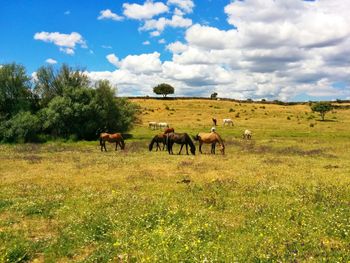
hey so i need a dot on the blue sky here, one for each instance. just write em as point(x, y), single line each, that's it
point(283, 49)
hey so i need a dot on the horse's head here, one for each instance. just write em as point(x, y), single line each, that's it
point(122, 144)
point(222, 149)
point(193, 150)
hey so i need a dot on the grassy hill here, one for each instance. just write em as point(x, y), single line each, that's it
point(283, 196)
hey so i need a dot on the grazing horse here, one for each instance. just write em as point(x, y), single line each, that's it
point(180, 138)
point(211, 138)
point(163, 125)
point(247, 134)
point(228, 122)
point(159, 138)
point(114, 137)
point(152, 125)
point(169, 130)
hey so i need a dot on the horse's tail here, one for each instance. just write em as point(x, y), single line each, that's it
point(150, 146)
point(190, 143)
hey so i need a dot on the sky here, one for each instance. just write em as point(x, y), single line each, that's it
point(289, 50)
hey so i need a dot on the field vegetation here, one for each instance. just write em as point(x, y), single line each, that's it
point(283, 196)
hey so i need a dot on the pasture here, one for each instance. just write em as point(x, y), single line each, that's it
point(283, 196)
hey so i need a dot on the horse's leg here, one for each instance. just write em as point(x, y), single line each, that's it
point(181, 148)
point(116, 146)
point(186, 148)
point(213, 148)
point(104, 146)
point(200, 146)
point(157, 147)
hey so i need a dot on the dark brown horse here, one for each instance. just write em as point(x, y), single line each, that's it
point(114, 137)
point(180, 138)
point(159, 138)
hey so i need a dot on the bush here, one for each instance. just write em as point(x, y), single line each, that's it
point(23, 127)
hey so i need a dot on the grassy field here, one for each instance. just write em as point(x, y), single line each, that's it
point(284, 196)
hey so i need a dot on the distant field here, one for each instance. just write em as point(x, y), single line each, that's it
point(284, 196)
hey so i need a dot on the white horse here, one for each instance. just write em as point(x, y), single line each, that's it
point(152, 125)
point(163, 125)
point(247, 134)
point(228, 122)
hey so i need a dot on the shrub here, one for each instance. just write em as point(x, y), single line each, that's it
point(23, 127)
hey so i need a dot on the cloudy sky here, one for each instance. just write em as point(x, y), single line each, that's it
point(291, 50)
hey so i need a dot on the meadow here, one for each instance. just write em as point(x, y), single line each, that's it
point(283, 196)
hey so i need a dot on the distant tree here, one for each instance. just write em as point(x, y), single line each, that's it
point(213, 96)
point(15, 92)
point(163, 89)
point(322, 108)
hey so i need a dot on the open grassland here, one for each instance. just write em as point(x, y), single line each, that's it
point(282, 197)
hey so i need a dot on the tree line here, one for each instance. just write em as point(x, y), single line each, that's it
point(60, 103)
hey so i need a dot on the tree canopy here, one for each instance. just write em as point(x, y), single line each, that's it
point(62, 104)
point(163, 89)
point(322, 108)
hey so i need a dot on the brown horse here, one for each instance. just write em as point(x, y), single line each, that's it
point(114, 137)
point(180, 138)
point(169, 130)
point(159, 138)
point(212, 138)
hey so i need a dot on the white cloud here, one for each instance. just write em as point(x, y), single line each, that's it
point(65, 42)
point(154, 34)
point(146, 11)
point(113, 59)
point(276, 49)
point(185, 5)
point(160, 24)
point(108, 14)
point(145, 43)
point(51, 61)
point(144, 63)
point(176, 47)
point(161, 41)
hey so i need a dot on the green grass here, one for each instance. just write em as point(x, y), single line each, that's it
point(282, 197)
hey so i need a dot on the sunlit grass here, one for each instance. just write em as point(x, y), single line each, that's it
point(284, 196)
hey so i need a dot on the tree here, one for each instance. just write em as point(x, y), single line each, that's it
point(49, 84)
point(15, 92)
point(163, 89)
point(322, 108)
point(213, 96)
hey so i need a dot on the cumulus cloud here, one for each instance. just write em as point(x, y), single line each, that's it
point(185, 5)
point(275, 49)
point(113, 59)
point(108, 14)
point(146, 11)
point(161, 23)
point(66, 42)
point(51, 61)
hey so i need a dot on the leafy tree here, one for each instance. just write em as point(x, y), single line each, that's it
point(163, 89)
point(322, 108)
point(15, 93)
point(213, 95)
point(49, 83)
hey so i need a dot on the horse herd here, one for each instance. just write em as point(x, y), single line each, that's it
point(169, 137)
